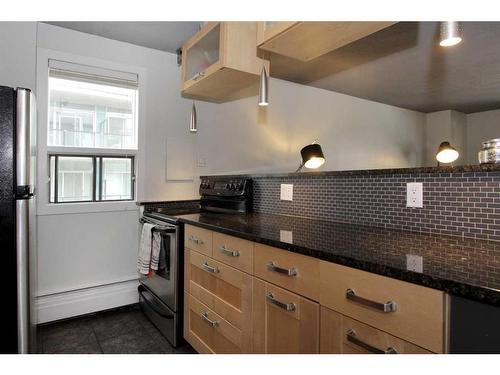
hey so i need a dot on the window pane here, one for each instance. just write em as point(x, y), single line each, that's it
point(84, 114)
point(116, 178)
point(74, 179)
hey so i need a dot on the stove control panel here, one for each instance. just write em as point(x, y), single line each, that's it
point(225, 187)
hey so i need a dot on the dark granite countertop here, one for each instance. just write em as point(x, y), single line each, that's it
point(169, 203)
point(464, 267)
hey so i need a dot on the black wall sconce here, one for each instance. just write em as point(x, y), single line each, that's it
point(312, 157)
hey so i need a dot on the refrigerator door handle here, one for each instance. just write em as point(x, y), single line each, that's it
point(23, 139)
point(23, 194)
point(23, 291)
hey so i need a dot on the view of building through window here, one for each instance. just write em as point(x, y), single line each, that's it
point(90, 178)
point(87, 115)
point(84, 114)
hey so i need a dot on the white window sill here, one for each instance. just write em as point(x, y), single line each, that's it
point(80, 208)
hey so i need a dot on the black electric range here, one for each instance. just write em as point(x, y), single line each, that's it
point(160, 292)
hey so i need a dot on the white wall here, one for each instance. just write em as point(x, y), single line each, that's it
point(481, 126)
point(354, 133)
point(18, 46)
point(448, 126)
point(78, 251)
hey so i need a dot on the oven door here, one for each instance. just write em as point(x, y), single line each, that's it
point(164, 282)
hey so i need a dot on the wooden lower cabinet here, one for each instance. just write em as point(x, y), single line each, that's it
point(284, 322)
point(238, 299)
point(417, 313)
point(343, 335)
point(208, 332)
point(223, 291)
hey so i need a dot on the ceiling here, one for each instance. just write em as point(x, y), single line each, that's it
point(165, 36)
point(404, 66)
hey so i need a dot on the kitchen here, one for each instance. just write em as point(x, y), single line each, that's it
point(308, 203)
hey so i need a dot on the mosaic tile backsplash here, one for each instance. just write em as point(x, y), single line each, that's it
point(465, 204)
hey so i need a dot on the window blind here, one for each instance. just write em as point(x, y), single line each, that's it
point(92, 74)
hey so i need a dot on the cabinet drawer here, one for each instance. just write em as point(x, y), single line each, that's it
point(411, 312)
point(343, 335)
point(284, 322)
point(198, 239)
point(207, 331)
point(233, 251)
point(369, 340)
point(295, 272)
point(222, 288)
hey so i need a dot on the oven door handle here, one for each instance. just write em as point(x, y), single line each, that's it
point(153, 307)
point(157, 226)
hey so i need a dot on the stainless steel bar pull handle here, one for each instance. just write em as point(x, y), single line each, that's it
point(353, 338)
point(213, 323)
point(285, 306)
point(195, 240)
point(230, 253)
point(285, 271)
point(384, 307)
point(210, 268)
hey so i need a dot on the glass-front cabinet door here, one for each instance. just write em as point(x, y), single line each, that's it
point(201, 54)
point(269, 29)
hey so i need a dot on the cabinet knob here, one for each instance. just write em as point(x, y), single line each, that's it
point(199, 75)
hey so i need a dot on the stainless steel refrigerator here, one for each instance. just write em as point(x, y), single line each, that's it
point(17, 219)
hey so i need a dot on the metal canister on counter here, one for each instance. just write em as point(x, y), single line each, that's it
point(490, 153)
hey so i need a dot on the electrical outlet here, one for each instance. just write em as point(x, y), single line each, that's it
point(286, 236)
point(414, 194)
point(286, 192)
point(414, 263)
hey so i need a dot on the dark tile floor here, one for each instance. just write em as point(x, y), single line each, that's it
point(121, 331)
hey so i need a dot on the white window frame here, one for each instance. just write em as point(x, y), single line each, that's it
point(44, 207)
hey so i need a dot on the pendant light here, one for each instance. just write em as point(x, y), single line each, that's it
point(446, 153)
point(193, 126)
point(263, 89)
point(450, 33)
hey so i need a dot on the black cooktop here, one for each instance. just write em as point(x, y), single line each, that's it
point(171, 214)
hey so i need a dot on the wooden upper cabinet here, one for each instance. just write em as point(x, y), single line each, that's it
point(306, 41)
point(283, 322)
point(220, 63)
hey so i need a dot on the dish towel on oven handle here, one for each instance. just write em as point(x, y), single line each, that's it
point(155, 250)
point(149, 250)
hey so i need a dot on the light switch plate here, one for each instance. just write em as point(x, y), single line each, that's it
point(286, 192)
point(414, 263)
point(202, 162)
point(414, 194)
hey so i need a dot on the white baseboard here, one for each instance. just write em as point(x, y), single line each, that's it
point(85, 301)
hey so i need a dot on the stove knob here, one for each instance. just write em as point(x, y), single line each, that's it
point(228, 186)
point(239, 186)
